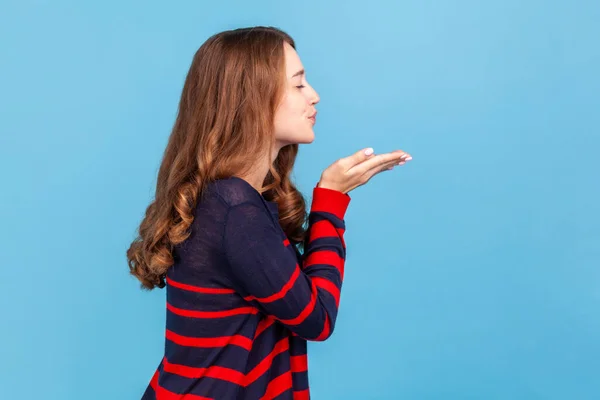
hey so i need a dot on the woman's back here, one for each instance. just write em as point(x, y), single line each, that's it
point(220, 341)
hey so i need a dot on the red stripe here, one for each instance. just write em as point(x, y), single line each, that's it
point(211, 314)
point(228, 374)
point(322, 229)
point(278, 385)
point(154, 381)
point(263, 325)
point(199, 289)
point(164, 394)
point(327, 257)
point(325, 332)
point(222, 373)
point(302, 394)
point(307, 310)
point(279, 295)
point(299, 363)
point(331, 201)
point(329, 286)
point(222, 341)
point(265, 364)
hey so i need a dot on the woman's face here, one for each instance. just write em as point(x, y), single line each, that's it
point(296, 115)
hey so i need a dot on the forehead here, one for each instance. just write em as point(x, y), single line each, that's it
point(292, 61)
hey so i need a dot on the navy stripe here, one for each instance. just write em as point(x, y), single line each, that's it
point(228, 326)
point(327, 243)
point(233, 357)
point(204, 302)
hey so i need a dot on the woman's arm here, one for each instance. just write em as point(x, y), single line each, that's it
point(302, 296)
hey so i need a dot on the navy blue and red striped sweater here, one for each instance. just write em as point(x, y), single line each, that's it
point(242, 302)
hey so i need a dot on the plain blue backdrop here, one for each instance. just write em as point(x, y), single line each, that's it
point(473, 271)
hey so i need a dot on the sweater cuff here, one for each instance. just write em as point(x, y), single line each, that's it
point(331, 201)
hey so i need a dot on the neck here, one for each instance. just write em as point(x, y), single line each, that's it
point(257, 175)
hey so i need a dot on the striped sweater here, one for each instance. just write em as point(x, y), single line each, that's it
point(242, 302)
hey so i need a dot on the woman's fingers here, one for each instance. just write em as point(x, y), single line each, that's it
point(353, 171)
point(357, 158)
point(387, 166)
point(380, 161)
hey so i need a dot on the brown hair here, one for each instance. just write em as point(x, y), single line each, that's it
point(225, 117)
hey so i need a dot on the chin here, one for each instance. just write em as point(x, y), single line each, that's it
point(303, 138)
point(308, 138)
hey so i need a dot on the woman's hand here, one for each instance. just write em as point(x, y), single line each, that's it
point(348, 173)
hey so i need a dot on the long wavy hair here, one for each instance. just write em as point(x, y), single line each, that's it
point(225, 122)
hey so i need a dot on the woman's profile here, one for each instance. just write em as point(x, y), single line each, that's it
point(250, 275)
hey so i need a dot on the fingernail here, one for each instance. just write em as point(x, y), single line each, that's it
point(408, 158)
point(369, 151)
point(402, 163)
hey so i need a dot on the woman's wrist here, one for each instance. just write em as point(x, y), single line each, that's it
point(326, 185)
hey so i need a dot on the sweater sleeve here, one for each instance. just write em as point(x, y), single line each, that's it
point(265, 270)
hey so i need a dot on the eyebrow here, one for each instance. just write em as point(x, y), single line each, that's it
point(301, 72)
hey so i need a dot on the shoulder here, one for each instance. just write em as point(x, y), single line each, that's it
point(234, 191)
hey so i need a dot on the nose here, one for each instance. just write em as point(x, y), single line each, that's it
point(314, 97)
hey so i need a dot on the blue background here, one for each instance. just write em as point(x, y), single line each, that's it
point(472, 272)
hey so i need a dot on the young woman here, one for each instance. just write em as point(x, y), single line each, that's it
point(248, 284)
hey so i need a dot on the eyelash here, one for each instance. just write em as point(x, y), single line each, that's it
point(300, 87)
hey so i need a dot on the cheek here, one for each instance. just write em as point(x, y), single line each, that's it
point(291, 112)
point(295, 104)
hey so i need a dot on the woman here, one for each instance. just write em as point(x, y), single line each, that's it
point(224, 229)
